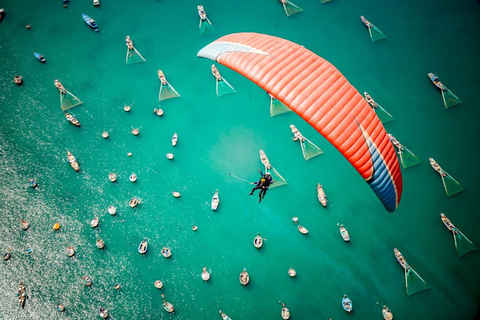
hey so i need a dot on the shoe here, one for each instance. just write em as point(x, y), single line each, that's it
point(259, 200)
point(250, 194)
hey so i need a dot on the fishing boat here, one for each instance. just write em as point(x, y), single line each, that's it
point(295, 219)
point(215, 200)
point(60, 307)
point(32, 183)
point(96, 3)
point(205, 274)
point(292, 273)
point(162, 78)
point(258, 241)
point(396, 143)
point(224, 316)
point(386, 313)
point(367, 23)
point(347, 304)
point(194, 227)
point(72, 119)
point(344, 233)
point(56, 226)
point(174, 139)
point(73, 161)
point(167, 305)
point(166, 252)
point(103, 313)
point(18, 80)
point(216, 73)
point(95, 222)
point(176, 194)
point(447, 222)
point(401, 260)
point(244, 277)
point(6, 256)
point(202, 14)
point(285, 312)
point(158, 112)
point(370, 100)
point(434, 78)
point(170, 156)
point(302, 229)
point(70, 251)
point(297, 135)
point(2, 14)
point(22, 295)
point(39, 57)
point(90, 22)
point(60, 86)
point(142, 248)
point(86, 280)
point(322, 197)
point(437, 167)
point(105, 134)
point(112, 177)
point(135, 131)
point(25, 224)
point(133, 177)
point(133, 203)
point(112, 210)
point(100, 244)
point(158, 284)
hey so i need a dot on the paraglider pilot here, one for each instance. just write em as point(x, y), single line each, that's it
point(262, 184)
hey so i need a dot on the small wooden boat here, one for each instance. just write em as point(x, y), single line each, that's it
point(401, 260)
point(142, 248)
point(6, 256)
point(322, 197)
point(166, 252)
point(437, 167)
point(133, 177)
point(205, 274)
point(176, 194)
point(244, 277)
point(292, 273)
point(112, 177)
point(285, 311)
point(194, 227)
point(224, 316)
point(100, 244)
point(96, 3)
point(117, 286)
point(39, 57)
point(344, 233)
point(370, 100)
point(258, 241)
point(167, 305)
point(73, 161)
point(170, 156)
point(347, 304)
point(203, 15)
point(60, 308)
point(216, 73)
point(32, 183)
point(434, 78)
point(2, 14)
point(60, 86)
point(367, 23)
point(174, 139)
point(56, 226)
point(90, 22)
point(105, 135)
point(158, 284)
point(25, 224)
point(112, 210)
point(133, 203)
point(387, 314)
point(95, 222)
point(18, 80)
point(215, 200)
point(295, 219)
point(158, 112)
point(447, 222)
point(72, 119)
point(302, 229)
point(135, 131)
point(103, 313)
point(22, 294)
point(86, 280)
point(70, 251)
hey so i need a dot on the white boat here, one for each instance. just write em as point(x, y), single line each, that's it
point(322, 197)
point(112, 210)
point(142, 248)
point(344, 233)
point(133, 177)
point(437, 167)
point(158, 284)
point(112, 176)
point(174, 139)
point(387, 314)
point(205, 274)
point(95, 222)
point(244, 277)
point(285, 311)
point(25, 224)
point(133, 203)
point(176, 194)
point(96, 3)
point(215, 200)
point(105, 134)
point(295, 219)
point(70, 251)
point(73, 161)
point(170, 156)
point(292, 273)
point(167, 305)
point(135, 131)
point(100, 244)
point(103, 313)
point(447, 222)
point(166, 252)
point(224, 316)
point(258, 241)
point(401, 260)
point(302, 229)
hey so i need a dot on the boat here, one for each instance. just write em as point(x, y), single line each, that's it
point(205, 274)
point(447, 222)
point(112, 210)
point(396, 143)
point(72, 119)
point(25, 224)
point(367, 23)
point(174, 139)
point(296, 133)
point(295, 219)
point(167, 305)
point(133, 177)
point(162, 78)
point(18, 80)
point(347, 304)
point(158, 284)
point(103, 313)
point(32, 183)
point(401, 260)
point(96, 3)
point(112, 176)
point(135, 131)
point(166, 252)
point(387, 314)
point(39, 57)
point(322, 197)
point(434, 78)
point(158, 112)
point(142, 248)
point(258, 241)
point(215, 200)
point(22, 295)
point(95, 222)
point(203, 15)
point(285, 311)
point(224, 316)
point(73, 161)
point(216, 73)
point(176, 194)
point(56, 226)
point(70, 251)
point(90, 22)
point(244, 277)
point(2, 14)
point(60, 87)
point(87, 281)
point(437, 167)
point(133, 203)
point(302, 229)
point(292, 273)
point(170, 156)
point(370, 100)
point(105, 134)
point(100, 244)
point(6, 256)
point(60, 307)
point(344, 233)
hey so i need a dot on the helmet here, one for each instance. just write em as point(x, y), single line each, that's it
point(267, 173)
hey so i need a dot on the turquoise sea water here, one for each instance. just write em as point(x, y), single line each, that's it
point(223, 135)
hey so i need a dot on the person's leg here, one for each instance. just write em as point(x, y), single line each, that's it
point(255, 188)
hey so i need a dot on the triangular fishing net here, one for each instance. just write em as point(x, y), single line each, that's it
point(376, 34)
point(462, 243)
point(167, 92)
point(451, 185)
point(408, 158)
point(449, 99)
point(324, 1)
point(309, 149)
point(223, 87)
point(277, 107)
point(291, 9)
point(382, 114)
point(133, 56)
point(414, 283)
point(68, 100)
point(279, 180)
point(206, 28)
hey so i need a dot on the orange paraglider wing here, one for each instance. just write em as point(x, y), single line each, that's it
point(314, 89)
